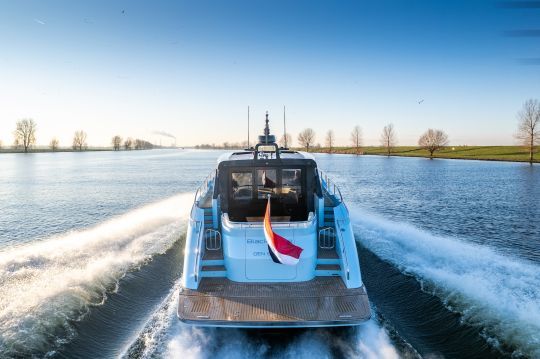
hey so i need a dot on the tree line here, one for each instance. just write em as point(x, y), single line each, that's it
point(224, 145)
point(432, 140)
point(25, 138)
point(130, 144)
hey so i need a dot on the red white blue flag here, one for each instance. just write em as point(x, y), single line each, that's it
point(281, 250)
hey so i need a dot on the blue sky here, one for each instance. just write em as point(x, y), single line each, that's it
point(191, 68)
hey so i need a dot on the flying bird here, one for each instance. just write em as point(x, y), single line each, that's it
point(419, 102)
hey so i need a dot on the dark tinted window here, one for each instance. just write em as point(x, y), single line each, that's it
point(241, 183)
point(266, 183)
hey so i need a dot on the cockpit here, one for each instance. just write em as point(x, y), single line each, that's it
point(250, 188)
point(247, 179)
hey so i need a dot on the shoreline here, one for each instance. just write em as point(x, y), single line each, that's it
point(90, 149)
point(478, 153)
point(475, 153)
point(44, 150)
point(535, 161)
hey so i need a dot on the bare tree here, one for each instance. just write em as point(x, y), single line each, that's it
point(1, 144)
point(128, 143)
point(529, 126)
point(285, 140)
point(356, 138)
point(330, 139)
point(25, 133)
point(433, 140)
point(54, 144)
point(306, 138)
point(145, 145)
point(388, 138)
point(116, 142)
point(79, 140)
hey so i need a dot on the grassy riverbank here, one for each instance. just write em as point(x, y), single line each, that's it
point(41, 150)
point(487, 153)
point(89, 149)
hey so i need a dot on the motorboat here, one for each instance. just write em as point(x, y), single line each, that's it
point(269, 244)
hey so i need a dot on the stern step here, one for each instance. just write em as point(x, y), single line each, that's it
point(212, 255)
point(209, 218)
point(327, 270)
point(213, 268)
point(327, 256)
point(329, 218)
point(213, 271)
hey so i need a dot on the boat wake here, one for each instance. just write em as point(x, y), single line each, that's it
point(493, 291)
point(47, 285)
point(165, 336)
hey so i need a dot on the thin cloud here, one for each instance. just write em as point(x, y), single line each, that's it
point(41, 22)
point(162, 133)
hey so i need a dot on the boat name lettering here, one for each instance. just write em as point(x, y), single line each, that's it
point(260, 254)
point(256, 241)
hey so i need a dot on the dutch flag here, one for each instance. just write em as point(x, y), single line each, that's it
point(281, 250)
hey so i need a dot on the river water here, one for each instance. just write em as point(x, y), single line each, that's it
point(91, 251)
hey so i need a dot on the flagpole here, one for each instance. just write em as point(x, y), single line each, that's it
point(248, 128)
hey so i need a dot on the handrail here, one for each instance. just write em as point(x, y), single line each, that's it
point(202, 190)
point(212, 239)
point(342, 244)
point(333, 190)
point(198, 250)
point(196, 193)
point(327, 238)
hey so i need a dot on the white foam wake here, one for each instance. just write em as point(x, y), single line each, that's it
point(47, 284)
point(500, 293)
point(165, 336)
point(370, 341)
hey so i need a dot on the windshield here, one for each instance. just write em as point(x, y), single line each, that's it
point(250, 189)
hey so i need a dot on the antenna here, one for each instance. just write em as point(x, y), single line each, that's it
point(248, 128)
point(266, 129)
point(284, 129)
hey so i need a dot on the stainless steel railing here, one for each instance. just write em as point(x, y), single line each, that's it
point(198, 250)
point(327, 238)
point(203, 188)
point(199, 225)
point(342, 245)
point(333, 190)
point(212, 239)
point(330, 186)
